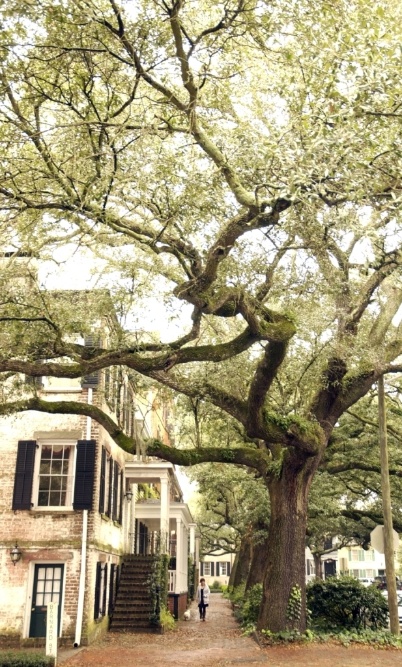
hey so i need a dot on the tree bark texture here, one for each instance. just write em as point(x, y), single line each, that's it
point(318, 565)
point(258, 563)
point(233, 571)
point(244, 560)
point(285, 561)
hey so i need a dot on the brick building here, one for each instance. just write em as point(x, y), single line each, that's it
point(73, 508)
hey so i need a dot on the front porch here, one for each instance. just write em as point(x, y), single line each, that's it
point(162, 525)
point(147, 539)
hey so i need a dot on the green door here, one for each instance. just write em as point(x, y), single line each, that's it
point(47, 587)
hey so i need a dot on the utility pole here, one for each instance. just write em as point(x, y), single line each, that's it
point(386, 505)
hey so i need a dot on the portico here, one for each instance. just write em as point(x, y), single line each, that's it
point(164, 524)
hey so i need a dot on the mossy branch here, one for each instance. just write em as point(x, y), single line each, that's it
point(252, 458)
point(245, 456)
point(359, 465)
point(72, 408)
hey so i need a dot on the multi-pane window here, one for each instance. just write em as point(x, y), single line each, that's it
point(48, 585)
point(223, 569)
point(207, 569)
point(55, 475)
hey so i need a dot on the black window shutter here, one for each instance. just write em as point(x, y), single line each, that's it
point(202, 569)
point(110, 489)
point(104, 590)
point(92, 380)
point(102, 482)
point(212, 569)
point(115, 489)
point(97, 589)
point(118, 574)
point(217, 569)
point(84, 475)
point(121, 497)
point(228, 569)
point(24, 471)
point(112, 588)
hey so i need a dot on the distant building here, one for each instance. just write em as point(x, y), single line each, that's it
point(217, 566)
point(353, 560)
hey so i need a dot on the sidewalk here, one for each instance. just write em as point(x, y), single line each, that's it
point(218, 643)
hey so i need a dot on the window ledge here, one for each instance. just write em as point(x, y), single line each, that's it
point(53, 510)
point(62, 390)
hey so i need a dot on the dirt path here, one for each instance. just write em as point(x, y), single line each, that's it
point(218, 643)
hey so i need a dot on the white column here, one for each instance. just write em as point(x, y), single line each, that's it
point(164, 519)
point(192, 540)
point(185, 558)
point(179, 555)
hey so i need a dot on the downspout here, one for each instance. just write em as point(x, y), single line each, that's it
point(81, 587)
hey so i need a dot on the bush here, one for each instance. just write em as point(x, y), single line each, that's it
point(216, 586)
point(346, 603)
point(236, 595)
point(251, 606)
point(24, 659)
point(166, 620)
point(246, 604)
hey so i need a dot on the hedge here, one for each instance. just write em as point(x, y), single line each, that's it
point(25, 659)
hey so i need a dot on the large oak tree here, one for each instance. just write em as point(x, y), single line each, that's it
point(241, 158)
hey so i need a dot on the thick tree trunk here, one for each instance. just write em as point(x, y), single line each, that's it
point(233, 571)
point(243, 562)
point(318, 565)
point(258, 563)
point(285, 578)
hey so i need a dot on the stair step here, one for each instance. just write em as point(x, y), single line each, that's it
point(133, 607)
point(130, 622)
point(122, 609)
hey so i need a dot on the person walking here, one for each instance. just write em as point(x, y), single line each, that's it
point(203, 598)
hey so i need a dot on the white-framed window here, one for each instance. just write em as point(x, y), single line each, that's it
point(207, 569)
point(54, 478)
point(223, 569)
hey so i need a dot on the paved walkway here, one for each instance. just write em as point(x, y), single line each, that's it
point(217, 643)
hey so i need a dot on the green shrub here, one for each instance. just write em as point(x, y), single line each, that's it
point(216, 586)
point(376, 638)
point(166, 620)
point(24, 659)
point(236, 595)
point(246, 604)
point(346, 603)
point(251, 607)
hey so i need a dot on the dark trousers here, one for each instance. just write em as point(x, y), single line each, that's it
point(202, 607)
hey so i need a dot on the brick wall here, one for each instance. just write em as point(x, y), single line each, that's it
point(51, 536)
point(177, 604)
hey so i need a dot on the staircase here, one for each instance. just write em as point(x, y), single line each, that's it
point(132, 608)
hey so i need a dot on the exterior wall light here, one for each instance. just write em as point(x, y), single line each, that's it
point(15, 554)
point(128, 496)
